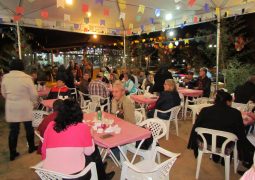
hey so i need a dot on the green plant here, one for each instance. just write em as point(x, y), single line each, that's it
point(236, 74)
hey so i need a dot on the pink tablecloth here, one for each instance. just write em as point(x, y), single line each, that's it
point(248, 118)
point(48, 103)
point(129, 132)
point(44, 92)
point(143, 100)
point(190, 92)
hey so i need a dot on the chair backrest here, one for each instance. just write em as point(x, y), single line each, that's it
point(138, 117)
point(141, 110)
point(38, 117)
point(174, 112)
point(73, 92)
point(201, 100)
point(95, 98)
point(82, 100)
point(229, 137)
point(51, 175)
point(240, 106)
point(157, 128)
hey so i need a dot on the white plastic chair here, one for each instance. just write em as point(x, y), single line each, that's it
point(98, 99)
point(74, 92)
point(212, 149)
point(149, 169)
point(240, 106)
point(39, 136)
point(38, 117)
point(158, 130)
point(194, 101)
point(173, 117)
point(142, 110)
point(182, 104)
point(138, 117)
point(45, 174)
point(83, 103)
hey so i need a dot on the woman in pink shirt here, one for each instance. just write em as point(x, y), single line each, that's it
point(66, 142)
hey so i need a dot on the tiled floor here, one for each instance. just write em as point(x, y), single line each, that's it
point(183, 169)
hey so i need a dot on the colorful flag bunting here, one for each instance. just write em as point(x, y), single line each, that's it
point(228, 13)
point(141, 8)
point(122, 4)
point(191, 2)
point(186, 41)
point(117, 24)
point(152, 20)
point(102, 22)
point(106, 12)
point(157, 12)
point(138, 18)
point(99, 2)
point(122, 15)
point(131, 26)
point(38, 22)
point(206, 7)
point(76, 26)
point(86, 29)
point(44, 14)
point(61, 3)
point(195, 19)
point(85, 8)
point(16, 18)
point(129, 32)
point(67, 17)
point(19, 10)
point(86, 20)
point(117, 31)
point(217, 11)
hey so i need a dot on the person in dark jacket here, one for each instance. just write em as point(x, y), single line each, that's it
point(189, 81)
point(60, 89)
point(204, 83)
point(221, 116)
point(161, 75)
point(246, 92)
point(168, 98)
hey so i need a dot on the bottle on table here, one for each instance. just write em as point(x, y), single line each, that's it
point(99, 115)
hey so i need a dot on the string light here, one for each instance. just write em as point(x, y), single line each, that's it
point(168, 17)
point(94, 36)
point(69, 2)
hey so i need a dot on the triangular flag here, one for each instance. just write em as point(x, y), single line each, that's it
point(217, 11)
point(117, 24)
point(157, 12)
point(138, 18)
point(86, 20)
point(102, 22)
point(228, 13)
point(106, 12)
point(186, 41)
point(122, 4)
point(184, 18)
point(85, 8)
point(67, 17)
point(19, 10)
point(61, 3)
point(129, 32)
point(44, 14)
point(99, 2)
point(141, 8)
point(122, 15)
point(86, 29)
point(191, 2)
point(38, 22)
point(195, 19)
point(76, 26)
point(152, 20)
point(16, 18)
point(131, 26)
point(206, 7)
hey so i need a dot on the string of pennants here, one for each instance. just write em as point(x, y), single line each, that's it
point(86, 26)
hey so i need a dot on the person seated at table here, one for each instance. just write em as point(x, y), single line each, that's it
point(246, 92)
point(67, 140)
point(98, 87)
point(204, 83)
point(51, 117)
point(60, 90)
point(221, 116)
point(84, 84)
point(149, 81)
point(34, 76)
point(189, 81)
point(112, 78)
point(129, 84)
point(121, 104)
point(168, 99)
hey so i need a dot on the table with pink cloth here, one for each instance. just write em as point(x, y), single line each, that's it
point(190, 92)
point(144, 100)
point(48, 103)
point(129, 133)
point(43, 92)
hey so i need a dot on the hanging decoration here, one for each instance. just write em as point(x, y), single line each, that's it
point(67, 17)
point(61, 3)
point(217, 11)
point(186, 41)
point(138, 18)
point(19, 10)
point(16, 18)
point(195, 19)
point(99, 2)
point(106, 12)
point(129, 32)
point(131, 26)
point(141, 9)
point(228, 13)
point(86, 29)
point(206, 8)
point(85, 8)
point(122, 15)
point(176, 43)
point(117, 24)
point(38, 22)
point(157, 12)
point(191, 2)
point(102, 22)
point(76, 26)
point(152, 20)
point(122, 4)
point(44, 14)
point(86, 20)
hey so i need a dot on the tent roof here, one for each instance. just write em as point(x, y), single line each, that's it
point(32, 14)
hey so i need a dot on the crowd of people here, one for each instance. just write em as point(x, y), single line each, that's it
point(68, 139)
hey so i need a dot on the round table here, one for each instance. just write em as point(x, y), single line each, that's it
point(48, 103)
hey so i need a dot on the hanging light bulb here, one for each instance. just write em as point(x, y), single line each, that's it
point(170, 46)
point(176, 43)
point(69, 2)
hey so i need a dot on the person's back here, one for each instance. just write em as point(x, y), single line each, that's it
point(245, 92)
point(160, 78)
point(167, 100)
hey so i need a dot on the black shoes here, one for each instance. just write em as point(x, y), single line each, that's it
point(110, 175)
point(32, 149)
point(13, 156)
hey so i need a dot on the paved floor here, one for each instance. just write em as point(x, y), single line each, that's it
point(183, 169)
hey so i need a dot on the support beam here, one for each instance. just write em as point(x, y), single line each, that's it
point(218, 48)
point(19, 40)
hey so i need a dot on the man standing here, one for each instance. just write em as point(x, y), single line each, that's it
point(98, 87)
point(121, 105)
point(19, 91)
point(84, 85)
point(204, 83)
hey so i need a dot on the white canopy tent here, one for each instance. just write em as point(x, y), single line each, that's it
point(120, 17)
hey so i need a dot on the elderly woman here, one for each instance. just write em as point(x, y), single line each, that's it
point(221, 116)
point(66, 142)
point(149, 81)
point(20, 94)
point(168, 98)
point(129, 84)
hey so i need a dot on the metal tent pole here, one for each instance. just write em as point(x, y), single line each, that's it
point(218, 48)
point(19, 41)
point(124, 44)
